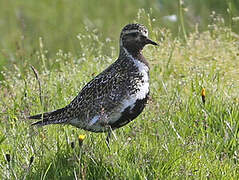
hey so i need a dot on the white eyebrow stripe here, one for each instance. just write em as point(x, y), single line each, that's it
point(135, 31)
point(130, 31)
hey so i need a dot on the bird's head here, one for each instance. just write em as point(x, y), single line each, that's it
point(134, 37)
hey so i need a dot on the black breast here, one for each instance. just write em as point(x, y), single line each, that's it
point(129, 113)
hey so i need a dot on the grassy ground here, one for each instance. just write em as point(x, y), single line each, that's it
point(176, 137)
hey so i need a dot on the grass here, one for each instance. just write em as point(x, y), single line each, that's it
point(176, 137)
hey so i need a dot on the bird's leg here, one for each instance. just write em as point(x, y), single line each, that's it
point(108, 139)
point(110, 132)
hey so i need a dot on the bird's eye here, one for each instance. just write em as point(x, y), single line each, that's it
point(143, 37)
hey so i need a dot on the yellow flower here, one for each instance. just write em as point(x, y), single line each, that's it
point(203, 94)
point(81, 138)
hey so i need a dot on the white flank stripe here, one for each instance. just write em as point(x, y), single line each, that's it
point(93, 120)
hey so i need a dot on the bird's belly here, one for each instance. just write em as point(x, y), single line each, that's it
point(131, 107)
point(129, 113)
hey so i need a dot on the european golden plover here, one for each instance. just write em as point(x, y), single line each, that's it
point(114, 97)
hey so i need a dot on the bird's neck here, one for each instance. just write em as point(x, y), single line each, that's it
point(133, 54)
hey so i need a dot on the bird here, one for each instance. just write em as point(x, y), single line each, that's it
point(114, 97)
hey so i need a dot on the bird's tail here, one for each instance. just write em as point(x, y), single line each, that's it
point(58, 116)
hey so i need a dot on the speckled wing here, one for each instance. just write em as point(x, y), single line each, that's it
point(99, 99)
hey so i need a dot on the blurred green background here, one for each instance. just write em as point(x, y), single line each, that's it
point(70, 41)
point(59, 22)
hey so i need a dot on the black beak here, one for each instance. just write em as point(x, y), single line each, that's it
point(149, 41)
